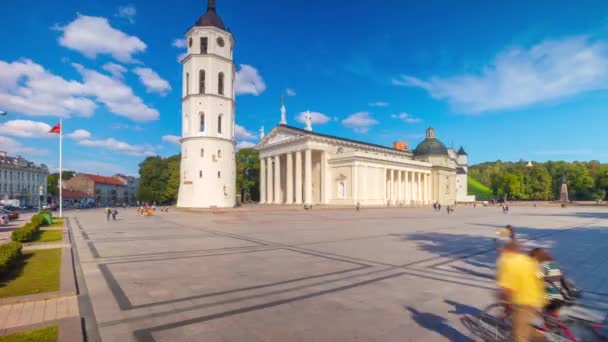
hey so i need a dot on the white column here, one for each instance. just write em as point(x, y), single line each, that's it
point(277, 180)
point(289, 181)
point(408, 188)
point(324, 179)
point(308, 176)
point(269, 181)
point(384, 188)
point(298, 177)
point(399, 186)
point(263, 181)
point(427, 181)
point(418, 189)
point(392, 187)
point(355, 183)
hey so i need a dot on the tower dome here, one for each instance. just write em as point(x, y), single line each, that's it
point(431, 146)
point(210, 18)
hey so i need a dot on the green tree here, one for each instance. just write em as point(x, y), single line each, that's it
point(52, 181)
point(173, 172)
point(247, 174)
point(152, 179)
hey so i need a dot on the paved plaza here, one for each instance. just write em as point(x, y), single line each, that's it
point(323, 275)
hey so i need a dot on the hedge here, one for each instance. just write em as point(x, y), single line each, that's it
point(9, 254)
point(29, 230)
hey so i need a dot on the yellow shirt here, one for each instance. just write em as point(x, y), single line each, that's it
point(518, 273)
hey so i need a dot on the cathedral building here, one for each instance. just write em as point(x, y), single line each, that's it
point(299, 166)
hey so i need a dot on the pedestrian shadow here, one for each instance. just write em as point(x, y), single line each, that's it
point(437, 324)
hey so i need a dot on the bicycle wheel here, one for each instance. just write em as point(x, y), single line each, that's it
point(495, 322)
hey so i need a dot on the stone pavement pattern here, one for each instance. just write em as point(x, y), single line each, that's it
point(34, 312)
point(323, 275)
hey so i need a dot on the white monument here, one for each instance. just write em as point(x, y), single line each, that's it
point(208, 166)
point(283, 112)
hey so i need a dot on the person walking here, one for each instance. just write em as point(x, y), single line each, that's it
point(114, 213)
point(108, 212)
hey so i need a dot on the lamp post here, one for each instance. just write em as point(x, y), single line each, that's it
point(40, 194)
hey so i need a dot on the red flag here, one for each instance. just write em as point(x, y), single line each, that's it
point(56, 129)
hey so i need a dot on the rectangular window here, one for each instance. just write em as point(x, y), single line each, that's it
point(202, 152)
point(203, 45)
point(200, 174)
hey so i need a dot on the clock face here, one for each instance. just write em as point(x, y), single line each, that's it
point(220, 41)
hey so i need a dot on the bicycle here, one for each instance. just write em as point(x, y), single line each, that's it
point(494, 324)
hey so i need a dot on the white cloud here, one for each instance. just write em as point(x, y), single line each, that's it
point(127, 12)
point(119, 146)
point(79, 134)
point(378, 104)
point(244, 144)
point(116, 70)
point(519, 77)
point(174, 139)
point(360, 122)
point(316, 118)
point(25, 129)
point(27, 88)
point(241, 133)
point(249, 81)
point(406, 117)
point(125, 126)
point(290, 92)
point(92, 36)
point(152, 81)
point(179, 43)
point(117, 96)
point(15, 147)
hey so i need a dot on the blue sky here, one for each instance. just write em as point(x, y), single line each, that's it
point(511, 80)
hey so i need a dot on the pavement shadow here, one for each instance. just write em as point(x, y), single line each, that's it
point(437, 324)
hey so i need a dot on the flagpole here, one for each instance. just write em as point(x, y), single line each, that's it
point(60, 167)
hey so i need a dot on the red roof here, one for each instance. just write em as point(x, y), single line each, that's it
point(74, 194)
point(105, 180)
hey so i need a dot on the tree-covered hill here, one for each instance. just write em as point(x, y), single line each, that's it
point(542, 181)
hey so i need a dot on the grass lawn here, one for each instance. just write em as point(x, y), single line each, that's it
point(481, 192)
point(38, 272)
point(47, 334)
point(48, 236)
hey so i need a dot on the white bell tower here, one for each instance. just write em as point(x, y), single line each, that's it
point(208, 165)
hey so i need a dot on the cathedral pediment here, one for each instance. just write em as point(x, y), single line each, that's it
point(278, 135)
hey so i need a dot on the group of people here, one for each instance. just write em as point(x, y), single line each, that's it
point(111, 212)
point(146, 210)
point(437, 207)
point(505, 208)
point(531, 283)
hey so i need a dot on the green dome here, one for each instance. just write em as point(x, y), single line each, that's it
point(430, 146)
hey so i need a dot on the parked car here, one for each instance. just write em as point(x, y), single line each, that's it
point(12, 215)
point(4, 220)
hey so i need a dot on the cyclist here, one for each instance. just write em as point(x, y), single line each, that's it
point(552, 277)
point(522, 289)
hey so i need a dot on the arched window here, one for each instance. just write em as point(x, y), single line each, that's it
point(203, 45)
point(200, 174)
point(220, 83)
point(186, 123)
point(219, 123)
point(202, 122)
point(219, 153)
point(219, 175)
point(201, 82)
point(187, 84)
point(202, 152)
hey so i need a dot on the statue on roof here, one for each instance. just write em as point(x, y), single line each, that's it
point(261, 132)
point(308, 120)
point(283, 111)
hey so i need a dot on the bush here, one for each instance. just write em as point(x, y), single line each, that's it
point(26, 233)
point(9, 254)
point(30, 230)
